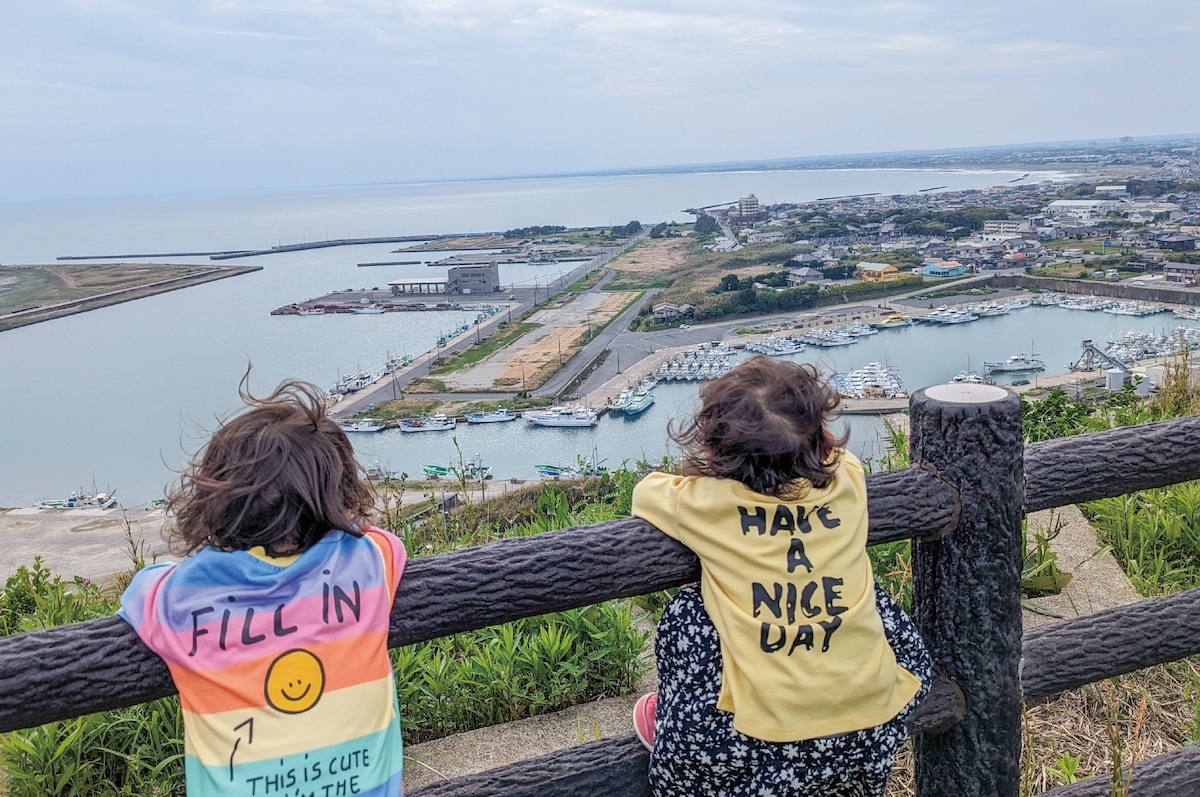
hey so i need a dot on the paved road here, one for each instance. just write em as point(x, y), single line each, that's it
point(592, 350)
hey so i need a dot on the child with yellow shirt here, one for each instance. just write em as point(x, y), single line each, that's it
point(789, 672)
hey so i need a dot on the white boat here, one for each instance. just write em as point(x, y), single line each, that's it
point(495, 416)
point(561, 416)
point(1017, 362)
point(1133, 308)
point(872, 381)
point(370, 309)
point(639, 404)
point(78, 499)
point(362, 425)
point(825, 338)
point(969, 377)
point(434, 423)
point(311, 311)
point(944, 315)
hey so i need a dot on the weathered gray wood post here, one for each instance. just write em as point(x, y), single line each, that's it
point(966, 585)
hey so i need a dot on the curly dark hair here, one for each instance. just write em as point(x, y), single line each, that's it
point(281, 475)
point(764, 424)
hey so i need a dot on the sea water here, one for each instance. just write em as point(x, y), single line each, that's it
point(124, 394)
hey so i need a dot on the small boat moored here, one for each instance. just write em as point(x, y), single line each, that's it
point(78, 499)
point(362, 425)
point(434, 423)
point(561, 416)
point(495, 416)
point(1017, 362)
point(638, 404)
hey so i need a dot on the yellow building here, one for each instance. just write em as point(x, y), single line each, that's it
point(877, 272)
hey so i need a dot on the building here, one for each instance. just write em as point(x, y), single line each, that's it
point(947, 268)
point(459, 280)
point(804, 276)
point(1179, 242)
point(665, 311)
point(418, 287)
point(1181, 273)
point(473, 279)
point(1006, 227)
point(877, 272)
point(749, 211)
point(1080, 209)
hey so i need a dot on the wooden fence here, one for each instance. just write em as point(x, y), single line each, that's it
point(961, 502)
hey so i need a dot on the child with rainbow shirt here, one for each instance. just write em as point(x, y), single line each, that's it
point(275, 630)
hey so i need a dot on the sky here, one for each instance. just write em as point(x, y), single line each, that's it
point(135, 97)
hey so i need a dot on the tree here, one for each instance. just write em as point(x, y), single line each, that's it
point(658, 230)
point(729, 282)
point(706, 225)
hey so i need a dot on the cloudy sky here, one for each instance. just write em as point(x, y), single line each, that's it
point(116, 97)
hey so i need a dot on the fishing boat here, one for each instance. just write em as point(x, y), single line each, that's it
point(311, 311)
point(472, 470)
point(362, 425)
point(552, 471)
point(638, 404)
point(78, 499)
point(434, 423)
point(396, 363)
point(561, 416)
point(495, 416)
point(370, 309)
point(1188, 313)
point(1017, 362)
point(376, 473)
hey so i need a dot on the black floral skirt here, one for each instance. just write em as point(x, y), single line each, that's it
point(698, 752)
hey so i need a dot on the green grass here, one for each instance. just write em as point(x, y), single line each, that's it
point(30, 289)
point(586, 282)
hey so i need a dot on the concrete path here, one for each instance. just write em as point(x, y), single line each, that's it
point(1097, 580)
point(92, 543)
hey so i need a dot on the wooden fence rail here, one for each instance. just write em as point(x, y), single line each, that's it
point(961, 503)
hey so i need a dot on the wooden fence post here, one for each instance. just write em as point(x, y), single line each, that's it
point(966, 586)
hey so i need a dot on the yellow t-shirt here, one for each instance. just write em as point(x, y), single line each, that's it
point(789, 587)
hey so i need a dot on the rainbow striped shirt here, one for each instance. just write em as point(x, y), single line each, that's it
point(281, 664)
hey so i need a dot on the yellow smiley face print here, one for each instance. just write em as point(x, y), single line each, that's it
point(295, 682)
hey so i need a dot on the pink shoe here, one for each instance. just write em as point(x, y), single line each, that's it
point(643, 719)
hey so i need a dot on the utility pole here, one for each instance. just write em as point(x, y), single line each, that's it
point(522, 375)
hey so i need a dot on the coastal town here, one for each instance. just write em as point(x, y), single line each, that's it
point(782, 278)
